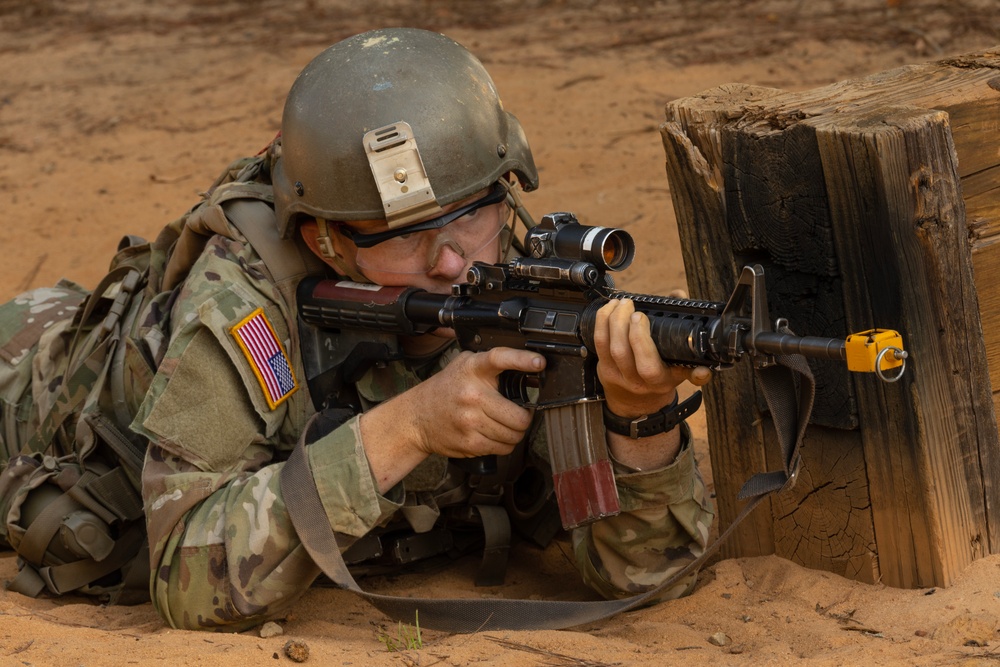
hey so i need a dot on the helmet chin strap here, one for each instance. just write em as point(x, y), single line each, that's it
point(514, 201)
point(520, 213)
point(328, 252)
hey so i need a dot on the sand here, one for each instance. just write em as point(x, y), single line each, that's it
point(115, 115)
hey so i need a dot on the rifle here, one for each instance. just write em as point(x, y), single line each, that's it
point(547, 302)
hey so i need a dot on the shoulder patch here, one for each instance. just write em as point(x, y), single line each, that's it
point(267, 357)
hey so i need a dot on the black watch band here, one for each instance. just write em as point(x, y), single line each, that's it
point(654, 424)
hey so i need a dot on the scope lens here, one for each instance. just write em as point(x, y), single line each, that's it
point(617, 250)
point(611, 254)
point(614, 247)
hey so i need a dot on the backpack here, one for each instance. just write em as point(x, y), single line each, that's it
point(70, 500)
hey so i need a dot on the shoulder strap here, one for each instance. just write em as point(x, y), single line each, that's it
point(246, 206)
point(287, 260)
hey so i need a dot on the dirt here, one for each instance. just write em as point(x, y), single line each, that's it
point(115, 115)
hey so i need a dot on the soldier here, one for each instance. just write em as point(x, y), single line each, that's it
point(396, 165)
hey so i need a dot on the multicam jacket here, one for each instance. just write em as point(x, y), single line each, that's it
point(226, 405)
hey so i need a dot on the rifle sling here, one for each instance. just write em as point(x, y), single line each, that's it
point(473, 615)
point(790, 404)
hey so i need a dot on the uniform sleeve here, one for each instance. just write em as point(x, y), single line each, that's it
point(664, 523)
point(224, 553)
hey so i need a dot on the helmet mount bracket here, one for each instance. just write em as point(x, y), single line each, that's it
point(403, 185)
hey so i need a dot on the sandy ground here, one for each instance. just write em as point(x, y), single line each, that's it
point(114, 115)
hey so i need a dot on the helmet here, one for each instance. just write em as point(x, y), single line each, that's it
point(394, 124)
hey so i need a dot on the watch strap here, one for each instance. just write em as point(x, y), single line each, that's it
point(652, 424)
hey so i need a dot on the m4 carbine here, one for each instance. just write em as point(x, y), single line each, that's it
point(547, 302)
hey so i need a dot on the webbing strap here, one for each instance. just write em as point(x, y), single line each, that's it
point(43, 528)
point(114, 491)
point(80, 492)
point(790, 404)
point(27, 582)
point(305, 508)
point(451, 615)
point(286, 260)
point(496, 529)
point(62, 579)
point(130, 455)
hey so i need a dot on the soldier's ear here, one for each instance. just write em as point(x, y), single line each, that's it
point(310, 232)
point(327, 250)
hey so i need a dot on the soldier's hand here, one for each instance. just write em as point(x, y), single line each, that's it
point(636, 381)
point(456, 413)
point(462, 413)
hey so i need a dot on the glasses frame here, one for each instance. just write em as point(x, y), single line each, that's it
point(496, 195)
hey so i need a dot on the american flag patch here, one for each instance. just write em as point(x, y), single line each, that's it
point(267, 357)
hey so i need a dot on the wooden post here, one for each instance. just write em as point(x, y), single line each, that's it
point(851, 196)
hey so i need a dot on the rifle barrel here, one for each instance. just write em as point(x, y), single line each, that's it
point(814, 347)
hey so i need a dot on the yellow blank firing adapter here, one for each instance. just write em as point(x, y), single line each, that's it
point(876, 351)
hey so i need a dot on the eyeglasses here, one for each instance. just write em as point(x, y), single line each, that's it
point(496, 195)
point(468, 230)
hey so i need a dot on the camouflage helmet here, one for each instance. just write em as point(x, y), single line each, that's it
point(393, 124)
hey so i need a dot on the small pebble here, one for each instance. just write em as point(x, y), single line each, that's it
point(297, 650)
point(271, 629)
point(719, 639)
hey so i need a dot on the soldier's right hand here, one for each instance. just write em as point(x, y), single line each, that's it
point(461, 413)
point(456, 413)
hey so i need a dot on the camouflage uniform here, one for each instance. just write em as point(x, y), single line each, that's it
point(223, 550)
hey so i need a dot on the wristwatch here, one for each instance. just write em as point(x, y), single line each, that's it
point(654, 424)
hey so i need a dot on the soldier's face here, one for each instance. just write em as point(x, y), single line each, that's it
point(434, 259)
